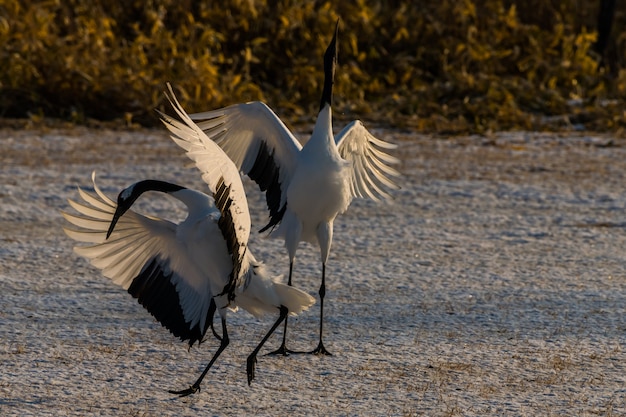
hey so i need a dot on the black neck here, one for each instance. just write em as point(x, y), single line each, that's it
point(155, 185)
point(141, 187)
point(330, 63)
point(129, 195)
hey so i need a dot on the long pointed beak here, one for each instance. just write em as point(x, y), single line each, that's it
point(331, 51)
point(330, 63)
point(118, 213)
point(335, 36)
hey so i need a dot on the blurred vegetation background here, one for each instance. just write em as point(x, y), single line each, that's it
point(448, 66)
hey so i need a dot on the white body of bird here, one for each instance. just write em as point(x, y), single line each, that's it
point(306, 187)
point(194, 253)
point(182, 273)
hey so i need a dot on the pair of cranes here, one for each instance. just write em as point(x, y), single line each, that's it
point(184, 273)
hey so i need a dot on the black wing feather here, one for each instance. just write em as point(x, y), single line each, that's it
point(223, 202)
point(155, 291)
point(266, 174)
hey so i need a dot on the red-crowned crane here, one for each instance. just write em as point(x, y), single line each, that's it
point(306, 187)
point(182, 273)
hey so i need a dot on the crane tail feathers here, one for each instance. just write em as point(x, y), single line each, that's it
point(263, 295)
point(294, 299)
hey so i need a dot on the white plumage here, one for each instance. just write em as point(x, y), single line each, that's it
point(182, 273)
point(306, 187)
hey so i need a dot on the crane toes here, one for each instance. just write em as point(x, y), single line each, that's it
point(283, 350)
point(184, 393)
point(320, 350)
point(250, 368)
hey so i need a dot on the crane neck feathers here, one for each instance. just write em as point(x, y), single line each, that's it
point(322, 140)
point(129, 195)
point(330, 64)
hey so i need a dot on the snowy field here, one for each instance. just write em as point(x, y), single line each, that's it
point(493, 284)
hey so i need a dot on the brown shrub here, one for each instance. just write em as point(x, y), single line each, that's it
point(450, 66)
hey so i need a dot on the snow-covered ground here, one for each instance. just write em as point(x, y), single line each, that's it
point(494, 284)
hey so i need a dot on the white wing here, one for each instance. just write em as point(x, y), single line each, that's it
point(371, 170)
point(143, 256)
point(259, 144)
point(219, 173)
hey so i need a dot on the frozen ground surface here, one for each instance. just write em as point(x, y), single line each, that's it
point(494, 284)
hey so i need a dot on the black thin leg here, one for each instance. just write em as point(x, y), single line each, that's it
point(320, 349)
point(196, 385)
point(282, 350)
point(211, 313)
point(251, 362)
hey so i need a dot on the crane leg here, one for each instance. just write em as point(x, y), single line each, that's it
point(251, 362)
point(196, 385)
point(320, 349)
point(283, 350)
